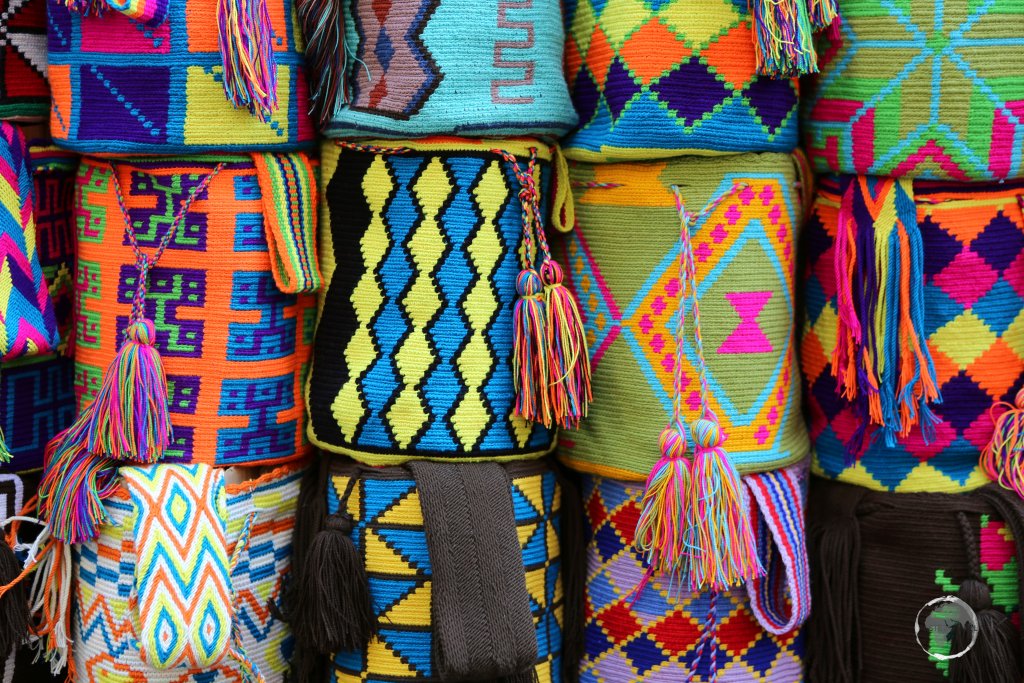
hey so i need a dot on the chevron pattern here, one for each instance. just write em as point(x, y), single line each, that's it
point(182, 576)
point(416, 327)
point(107, 642)
point(28, 326)
point(389, 534)
point(24, 93)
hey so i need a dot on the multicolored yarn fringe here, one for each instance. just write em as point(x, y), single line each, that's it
point(28, 326)
point(37, 399)
point(242, 549)
point(661, 79)
point(928, 89)
point(622, 261)
point(958, 333)
point(327, 56)
point(424, 320)
point(415, 68)
point(667, 633)
point(24, 93)
point(693, 526)
point(784, 34)
point(966, 545)
point(389, 535)
point(161, 77)
point(232, 401)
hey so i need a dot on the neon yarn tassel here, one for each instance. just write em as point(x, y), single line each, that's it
point(130, 419)
point(323, 26)
point(86, 7)
point(662, 534)
point(823, 13)
point(247, 52)
point(1003, 458)
point(724, 549)
point(5, 453)
point(568, 362)
point(529, 354)
point(783, 38)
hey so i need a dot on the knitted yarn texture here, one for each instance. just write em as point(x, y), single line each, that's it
point(453, 67)
point(135, 588)
point(122, 86)
point(37, 398)
point(660, 79)
point(230, 297)
point(24, 94)
point(973, 242)
point(420, 249)
point(665, 633)
point(929, 89)
point(388, 531)
point(628, 286)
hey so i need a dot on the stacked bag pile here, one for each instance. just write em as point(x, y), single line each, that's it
point(911, 340)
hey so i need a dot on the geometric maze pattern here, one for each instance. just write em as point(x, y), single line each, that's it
point(111, 600)
point(928, 88)
point(745, 252)
point(234, 346)
point(388, 532)
point(121, 85)
point(973, 238)
point(24, 93)
point(653, 637)
point(37, 398)
point(413, 345)
point(655, 78)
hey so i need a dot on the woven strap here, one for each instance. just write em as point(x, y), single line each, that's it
point(480, 606)
point(781, 600)
point(184, 609)
point(288, 187)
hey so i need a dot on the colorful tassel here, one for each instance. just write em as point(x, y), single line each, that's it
point(823, 14)
point(724, 549)
point(5, 453)
point(784, 38)
point(662, 534)
point(568, 360)
point(323, 25)
point(881, 361)
point(86, 7)
point(247, 52)
point(1002, 458)
point(529, 355)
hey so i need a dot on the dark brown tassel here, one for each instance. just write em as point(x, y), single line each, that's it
point(1010, 509)
point(574, 578)
point(333, 610)
point(14, 613)
point(833, 646)
point(993, 658)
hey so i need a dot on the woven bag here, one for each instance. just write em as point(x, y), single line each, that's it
point(928, 89)
point(665, 632)
point(37, 399)
point(183, 582)
point(971, 288)
point(878, 558)
point(412, 68)
point(28, 326)
point(661, 79)
point(149, 77)
point(386, 509)
point(24, 94)
point(623, 263)
point(421, 249)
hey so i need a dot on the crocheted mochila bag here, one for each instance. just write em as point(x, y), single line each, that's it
point(912, 359)
point(184, 580)
point(654, 80)
point(668, 633)
point(463, 566)
point(413, 68)
point(928, 89)
point(24, 93)
point(37, 399)
point(444, 330)
point(964, 546)
point(194, 321)
point(177, 76)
